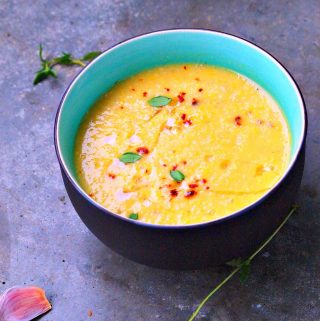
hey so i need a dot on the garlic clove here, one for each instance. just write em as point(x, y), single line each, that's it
point(23, 304)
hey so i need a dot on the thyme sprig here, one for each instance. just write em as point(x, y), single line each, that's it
point(241, 266)
point(66, 59)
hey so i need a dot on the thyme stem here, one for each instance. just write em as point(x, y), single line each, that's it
point(195, 313)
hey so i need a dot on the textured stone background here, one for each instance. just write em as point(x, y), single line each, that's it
point(42, 240)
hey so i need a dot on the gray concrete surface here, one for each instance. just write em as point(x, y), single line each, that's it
point(42, 240)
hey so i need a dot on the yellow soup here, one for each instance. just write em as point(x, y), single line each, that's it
point(217, 143)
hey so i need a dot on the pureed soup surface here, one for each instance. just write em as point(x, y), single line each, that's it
point(221, 132)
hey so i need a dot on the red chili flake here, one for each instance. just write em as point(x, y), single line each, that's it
point(183, 116)
point(90, 313)
point(164, 165)
point(197, 79)
point(91, 194)
point(184, 162)
point(194, 101)
point(203, 180)
point(142, 150)
point(167, 89)
point(185, 67)
point(112, 175)
point(190, 193)
point(260, 122)
point(121, 107)
point(238, 121)
point(145, 94)
point(174, 167)
point(174, 193)
point(193, 185)
point(188, 122)
point(133, 89)
point(207, 187)
point(180, 98)
point(146, 171)
point(200, 89)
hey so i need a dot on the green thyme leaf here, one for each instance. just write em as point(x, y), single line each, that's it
point(134, 216)
point(159, 101)
point(129, 157)
point(243, 266)
point(177, 176)
point(65, 59)
point(40, 76)
point(91, 55)
point(44, 73)
point(46, 70)
point(235, 263)
point(244, 271)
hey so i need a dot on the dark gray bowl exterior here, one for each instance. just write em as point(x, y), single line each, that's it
point(191, 247)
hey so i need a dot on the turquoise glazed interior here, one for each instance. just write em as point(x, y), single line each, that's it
point(170, 47)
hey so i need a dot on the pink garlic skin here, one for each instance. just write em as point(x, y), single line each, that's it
point(23, 304)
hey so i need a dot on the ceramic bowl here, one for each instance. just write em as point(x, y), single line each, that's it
point(190, 246)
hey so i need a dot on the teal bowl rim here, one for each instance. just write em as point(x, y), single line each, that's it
point(185, 226)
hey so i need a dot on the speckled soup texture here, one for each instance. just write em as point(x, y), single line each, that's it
point(210, 132)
